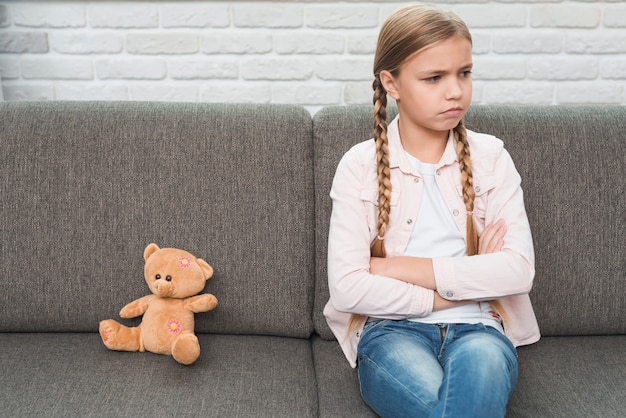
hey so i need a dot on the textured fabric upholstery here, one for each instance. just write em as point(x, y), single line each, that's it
point(571, 377)
point(573, 171)
point(74, 375)
point(86, 186)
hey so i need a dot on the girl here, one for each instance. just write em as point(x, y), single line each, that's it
point(430, 252)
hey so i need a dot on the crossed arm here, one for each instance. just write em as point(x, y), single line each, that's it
point(419, 271)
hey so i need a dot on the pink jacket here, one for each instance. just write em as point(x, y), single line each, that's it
point(506, 275)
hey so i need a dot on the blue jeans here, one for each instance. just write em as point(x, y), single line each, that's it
point(409, 369)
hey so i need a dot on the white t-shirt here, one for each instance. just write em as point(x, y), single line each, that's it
point(435, 234)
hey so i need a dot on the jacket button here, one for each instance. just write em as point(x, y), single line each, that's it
point(416, 179)
point(409, 221)
point(438, 172)
point(477, 188)
point(449, 294)
point(455, 212)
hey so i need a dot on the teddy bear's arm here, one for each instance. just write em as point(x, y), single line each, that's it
point(136, 308)
point(201, 303)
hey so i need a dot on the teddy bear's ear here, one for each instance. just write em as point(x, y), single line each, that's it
point(150, 249)
point(206, 269)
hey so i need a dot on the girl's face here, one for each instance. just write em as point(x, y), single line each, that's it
point(433, 89)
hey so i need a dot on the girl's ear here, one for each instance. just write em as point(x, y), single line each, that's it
point(388, 81)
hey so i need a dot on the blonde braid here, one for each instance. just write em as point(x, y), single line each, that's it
point(469, 194)
point(467, 183)
point(384, 181)
point(382, 163)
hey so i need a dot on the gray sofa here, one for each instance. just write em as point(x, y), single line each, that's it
point(86, 186)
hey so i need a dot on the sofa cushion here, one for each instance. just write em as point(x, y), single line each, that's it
point(571, 377)
point(571, 159)
point(86, 186)
point(335, 131)
point(572, 168)
point(74, 375)
point(558, 377)
point(337, 383)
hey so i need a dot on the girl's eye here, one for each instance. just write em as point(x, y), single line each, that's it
point(466, 74)
point(433, 79)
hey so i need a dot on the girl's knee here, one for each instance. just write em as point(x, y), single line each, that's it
point(391, 392)
point(488, 355)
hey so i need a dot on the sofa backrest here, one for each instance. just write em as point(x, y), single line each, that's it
point(571, 159)
point(86, 186)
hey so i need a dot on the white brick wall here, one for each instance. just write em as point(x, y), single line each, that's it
point(314, 53)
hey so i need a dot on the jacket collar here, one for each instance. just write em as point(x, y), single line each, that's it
point(398, 158)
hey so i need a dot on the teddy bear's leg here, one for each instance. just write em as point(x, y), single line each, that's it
point(116, 336)
point(186, 348)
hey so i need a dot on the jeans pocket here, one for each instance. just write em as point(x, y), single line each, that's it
point(373, 324)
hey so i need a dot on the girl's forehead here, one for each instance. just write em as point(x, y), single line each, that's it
point(455, 51)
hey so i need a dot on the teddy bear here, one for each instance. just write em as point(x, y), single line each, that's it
point(175, 277)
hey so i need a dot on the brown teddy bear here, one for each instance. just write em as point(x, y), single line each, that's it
point(174, 276)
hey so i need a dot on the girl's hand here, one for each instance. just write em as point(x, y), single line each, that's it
point(492, 239)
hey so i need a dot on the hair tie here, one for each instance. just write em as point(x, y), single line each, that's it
point(380, 238)
point(470, 213)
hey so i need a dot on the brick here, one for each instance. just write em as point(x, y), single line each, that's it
point(195, 16)
point(345, 69)
point(276, 69)
point(161, 43)
point(119, 15)
point(493, 16)
point(49, 15)
point(358, 92)
point(499, 68)
point(615, 16)
point(236, 93)
point(307, 94)
point(86, 42)
point(87, 91)
point(131, 69)
point(481, 42)
point(204, 69)
point(336, 16)
point(9, 68)
point(562, 68)
point(613, 68)
point(267, 15)
point(591, 92)
point(565, 16)
point(237, 42)
point(525, 42)
point(23, 42)
point(5, 18)
point(167, 93)
point(309, 43)
point(29, 92)
point(516, 92)
point(56, 68)
point(607, 42)
point(361, 42)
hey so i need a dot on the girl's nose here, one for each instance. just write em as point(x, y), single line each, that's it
point(454, 90)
